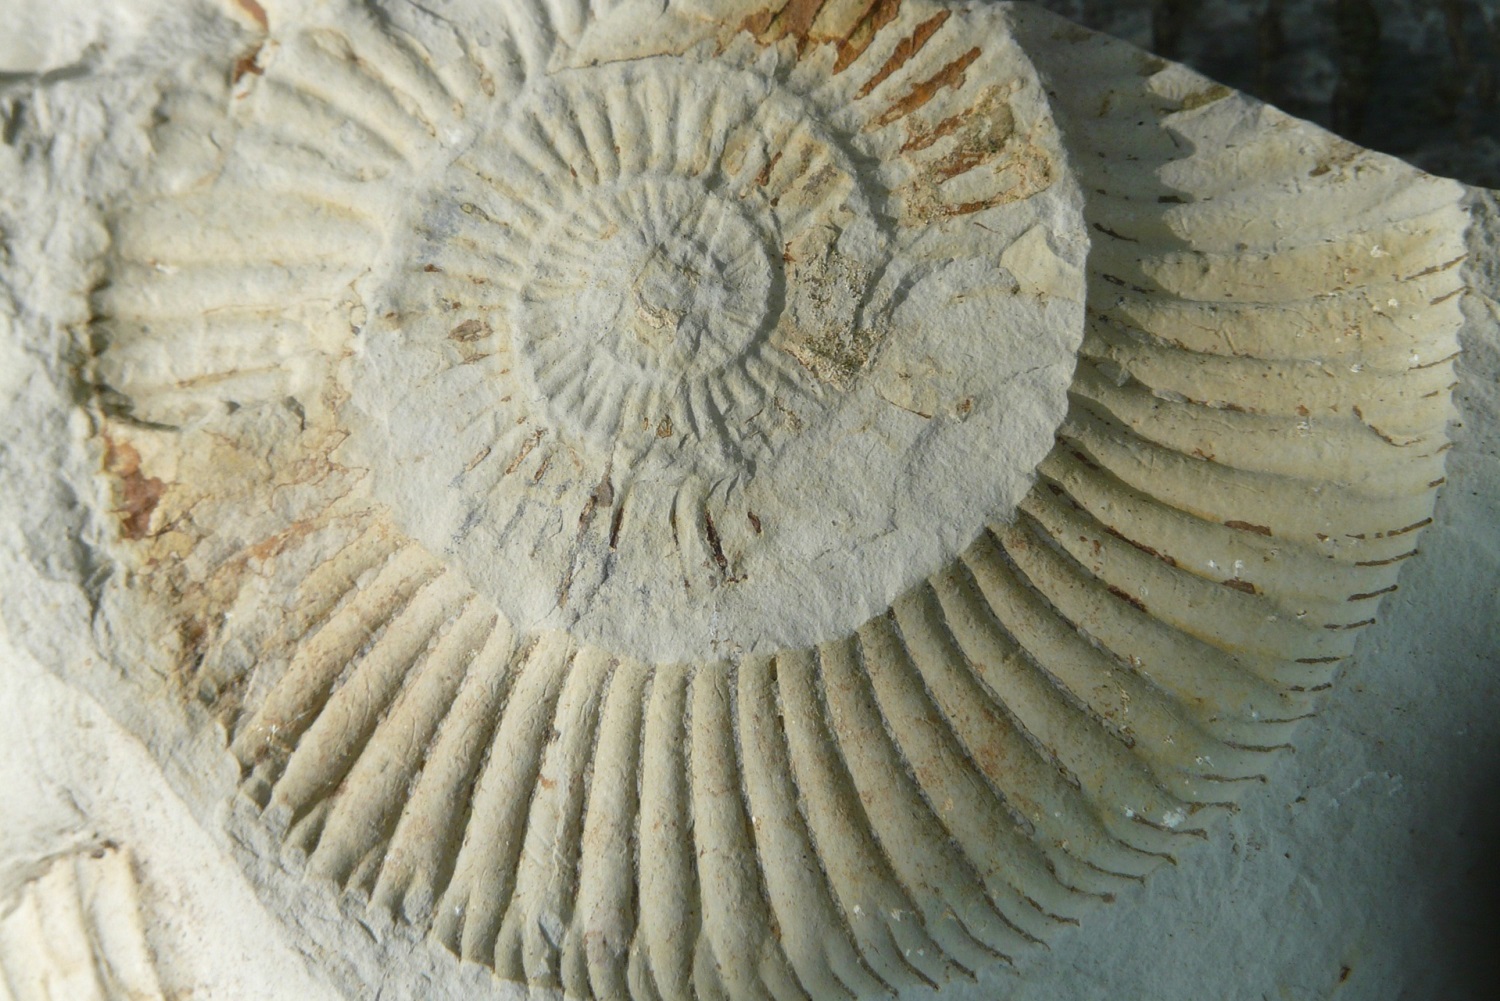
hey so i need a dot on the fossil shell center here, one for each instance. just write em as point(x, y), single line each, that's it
point(689, 359)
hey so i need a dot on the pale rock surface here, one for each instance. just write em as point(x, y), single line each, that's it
point(411, 544)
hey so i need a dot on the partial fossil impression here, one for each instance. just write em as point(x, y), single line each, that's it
point(73, 932)
point(794, 501)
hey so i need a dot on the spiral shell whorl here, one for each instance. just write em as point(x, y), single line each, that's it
point(691, 564)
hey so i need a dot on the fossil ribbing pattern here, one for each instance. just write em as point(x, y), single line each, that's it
point(400, 474)
point(74, 932)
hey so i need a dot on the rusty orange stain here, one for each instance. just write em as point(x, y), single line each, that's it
point(811, 22)
point(905, 50)
point(920, 140)
point(138, 494)
point(876, 15)
point(952, 75)
point(794, 20)
point(764, 177)
point(256, 12)
point(1127, 597)
point(247, 64)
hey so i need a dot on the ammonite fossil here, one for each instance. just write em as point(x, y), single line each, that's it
point(722, 501)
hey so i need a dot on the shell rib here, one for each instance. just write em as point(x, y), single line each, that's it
point(75, 932)
point(497, 525)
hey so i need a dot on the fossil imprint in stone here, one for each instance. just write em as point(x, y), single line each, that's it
point(801, 502)
point(74, 930)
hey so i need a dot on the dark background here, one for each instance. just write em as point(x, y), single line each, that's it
point(1419, 79)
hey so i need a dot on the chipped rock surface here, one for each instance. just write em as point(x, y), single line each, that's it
point(709, 499)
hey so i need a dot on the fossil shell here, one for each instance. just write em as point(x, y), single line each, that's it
point(74, 931)
point(725, 502)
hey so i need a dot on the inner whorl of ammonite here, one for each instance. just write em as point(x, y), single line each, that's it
point(660, 358)
point(640, 309)
point(649, 303)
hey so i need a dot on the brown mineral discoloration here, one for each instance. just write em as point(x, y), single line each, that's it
point(1384, 436)
point(1338, 157)
point(255, 12)
point(1245, 526)
point(951, 75)
point(984, 134)
point(907, 48)
point(764, 177)
point(875, 15)
point(1451, 295)
point(526, 449)
point(801, 185)
point(480, 456)
point(469, 331)
point(137, 495)
point(794, 20)
point(1438, 269)
point(981, 136)
point(1341, 626)
point(1403, 531)
point(1367, 595)
point(919, 138)
point(1127, 597)
point(712, 534)
point(614, 526)
point(848, 25)
point(469, 340)
point(246, 65)
point(1022, 176)
point(1203, 98)
point(1149, 551)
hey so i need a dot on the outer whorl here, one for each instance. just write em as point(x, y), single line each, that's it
point(792, 502)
